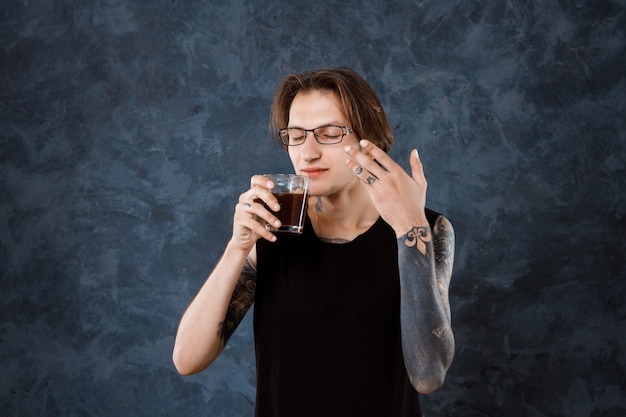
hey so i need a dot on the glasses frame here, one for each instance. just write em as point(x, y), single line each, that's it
point(345, 130)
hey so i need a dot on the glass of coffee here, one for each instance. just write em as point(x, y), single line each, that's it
point(291, 191)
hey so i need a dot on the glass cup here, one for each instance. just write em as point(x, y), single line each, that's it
point(291, 191)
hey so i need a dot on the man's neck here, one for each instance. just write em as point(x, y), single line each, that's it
point(342, 217)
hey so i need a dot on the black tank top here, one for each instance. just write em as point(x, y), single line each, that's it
point(327, 328)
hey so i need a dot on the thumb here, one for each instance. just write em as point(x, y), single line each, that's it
point(417, 169)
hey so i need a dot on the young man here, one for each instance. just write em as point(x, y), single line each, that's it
point(352, 317)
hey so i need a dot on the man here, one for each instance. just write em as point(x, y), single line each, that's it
point(352, 317)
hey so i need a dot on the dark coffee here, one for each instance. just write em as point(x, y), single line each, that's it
point(291, 213)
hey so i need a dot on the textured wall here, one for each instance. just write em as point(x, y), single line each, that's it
point(129, 128)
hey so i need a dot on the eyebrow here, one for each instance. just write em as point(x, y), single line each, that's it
point(333, 123)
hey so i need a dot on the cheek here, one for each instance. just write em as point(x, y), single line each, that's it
point(293, 155)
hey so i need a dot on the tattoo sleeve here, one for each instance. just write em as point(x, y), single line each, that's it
point(442, 239)
point(425, 258)
point(240, 303)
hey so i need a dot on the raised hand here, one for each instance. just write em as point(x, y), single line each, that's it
point(399, 198)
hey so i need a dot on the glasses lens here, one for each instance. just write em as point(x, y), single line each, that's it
point(292, 136)
point(329, 134)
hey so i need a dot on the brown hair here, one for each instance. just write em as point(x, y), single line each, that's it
point(358, 100)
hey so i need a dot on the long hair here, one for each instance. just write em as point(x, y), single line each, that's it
point(358, 100)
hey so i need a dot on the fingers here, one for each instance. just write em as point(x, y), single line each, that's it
point(373, 166)
point(256, 207)
point(417, 168)
point(259, 192)
point(370, 166)
point(253, 217)
point(375, 152)
point(365, 176)
point(373, 159)
point(261, 181)
point(259, 212)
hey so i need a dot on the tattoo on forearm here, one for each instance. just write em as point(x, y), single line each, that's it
point(242, 299)
point(418, 237)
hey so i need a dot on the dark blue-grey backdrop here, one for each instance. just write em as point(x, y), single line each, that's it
point(129, 128)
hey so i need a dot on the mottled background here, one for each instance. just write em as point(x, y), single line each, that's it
point(129, 128)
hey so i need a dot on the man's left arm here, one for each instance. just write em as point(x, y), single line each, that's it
point(425, 255)
point(425, 259)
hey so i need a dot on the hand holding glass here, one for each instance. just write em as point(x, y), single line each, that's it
point(291, 191)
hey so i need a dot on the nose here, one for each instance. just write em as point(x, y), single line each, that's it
point(309, 150)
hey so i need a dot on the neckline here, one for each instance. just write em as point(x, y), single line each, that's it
point(340, 242)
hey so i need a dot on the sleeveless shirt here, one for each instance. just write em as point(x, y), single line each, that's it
point(327, 328)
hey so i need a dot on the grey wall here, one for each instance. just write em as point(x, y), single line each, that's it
point(129, 128)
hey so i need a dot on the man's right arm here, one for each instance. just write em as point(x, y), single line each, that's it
point(216, 311)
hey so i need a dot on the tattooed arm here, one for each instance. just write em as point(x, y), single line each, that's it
point(226, 296)
point(240, 302)
point(215, 312)
point(425, 260)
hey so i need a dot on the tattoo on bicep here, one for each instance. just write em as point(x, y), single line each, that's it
point(418, 237)
point(443, 243)
point(242, 299)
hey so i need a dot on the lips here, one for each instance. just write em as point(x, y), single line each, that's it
point(313, 172)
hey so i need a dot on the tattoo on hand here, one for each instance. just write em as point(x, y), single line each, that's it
point(418, 237)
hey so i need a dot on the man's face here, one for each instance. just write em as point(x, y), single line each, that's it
point(323, 164)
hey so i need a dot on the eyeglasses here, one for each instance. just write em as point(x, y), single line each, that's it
point(324, 135)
